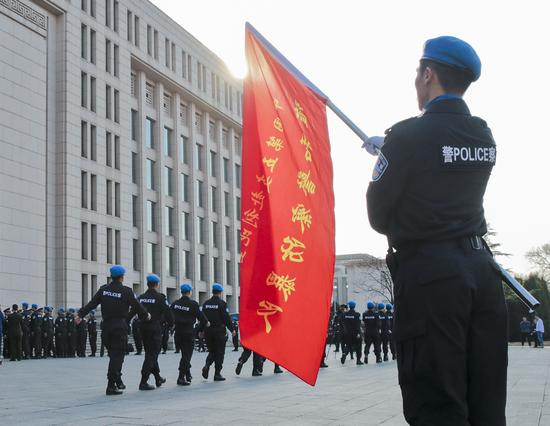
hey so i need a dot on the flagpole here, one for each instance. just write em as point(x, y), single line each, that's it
point(347, 121)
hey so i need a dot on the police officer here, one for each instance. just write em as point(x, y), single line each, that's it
point(186, 313)
point(6, 350)
point(136, 333)
point(115, 300)
point(26, 327)
point(81, 338)
point(92, 332)
point(426, 196)
point(71, 334)
point(215, 310)
point(61, 334)
point(338, 326)
point(352, 333)
point(47, 333)
point(36, 331)
point(151, 332)
point(371, 321)
point(386, 332)
point(165, 327)
point(15, 333)
point(235, 324)
point(257, 362)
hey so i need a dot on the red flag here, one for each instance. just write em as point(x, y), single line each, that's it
point(287, 214)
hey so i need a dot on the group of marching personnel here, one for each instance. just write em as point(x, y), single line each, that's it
point(375, 325)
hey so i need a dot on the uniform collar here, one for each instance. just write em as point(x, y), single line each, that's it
point(447, 105)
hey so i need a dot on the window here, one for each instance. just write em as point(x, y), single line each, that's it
point(108, 149)
point(108, 56)
point(108, 13)
point(84, 240)
point(129, 29)
point(183, 64)
point(149, 133)
point(136, 31)
point(186, 270)
point(83, 189)
point(115, 16)
point(134, 124)
point(84, 288)
point(238, 146)
point(93, 143)
point(149, 40)
point(227, 238)
point(93, 192)
point(156, 44)
point(183, 149)
point(199, 159)
point(226, 203)
point(93, 94)
point(215, 234)
point(214, 199)
point(184, 114)
point(173, 57)
point(109, 197)
point(151, 222)
point(169, 259)
point(84, 139)
point(226, 170)
point(228, 277)
point(168, 221)
point(225, 138)
point(184, 187)
point(185, 226)
point(200, 230)
point(92, 46)
point(167, 181)
point(150, 174)
point(199, 194)
point(211, 130)
point(134, 167)
point(167, 141)
point(198, 123)
point(213, 164)
point(83, 41)
point(135, 212)
point(166, 52)
point(238, 199)
point(215, 269)
point(84, 5)
point(84, 90)
point(189, 72)
point(93, 243)
point(117, 152)
point(108, 101)
point(116, 60)
point(117, 199)
point(135, 255)
point(94, 277)
point(202, 267)
point(237, 175)
point(117, 247)
point(167, 104)
point(109, 245)
point(149, 89)
point(151, 257)
point(117, 106)
point(92, 11)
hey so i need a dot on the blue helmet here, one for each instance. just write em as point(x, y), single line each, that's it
point(217, 288)
point(389, 306)
point(25, 305)
point(152, 278)
point(352, 304)
point(117, 271)
point(185, 288)
point(34, 306)
point(370, 304)
point(381, 306)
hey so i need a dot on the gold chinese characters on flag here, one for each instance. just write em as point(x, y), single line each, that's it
point(287, 214)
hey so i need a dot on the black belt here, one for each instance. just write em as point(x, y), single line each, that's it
point(473, 242)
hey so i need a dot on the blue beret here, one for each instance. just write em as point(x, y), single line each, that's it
point(152, 278)
point(389, 306)
point(452, 51)
point(352, 304)
point(217, 288)
point(185, 288)
point(61, 311)
point(117, 271)
point(25, 304)
point(381, 306)
point(47, 308)
point(71, 310)
point(34, 306)
point(370, 304)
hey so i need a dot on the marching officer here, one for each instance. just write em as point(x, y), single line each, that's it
point(136, 333)
point(235, 336)
point(26, 327)
point(81, 338)
point(186, 313)
point(386, 331)
point(426, 196)
point(115, 300)
point(215, 310)
point(352, 333)
point(36, 331)
point(151, 332)
point(372, 332)
point(337, 327)
point(61, 335)
point(48, 333)
point(71, 334)
point(92, 332)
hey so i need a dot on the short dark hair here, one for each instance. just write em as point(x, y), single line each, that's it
point(453, 80)
point(151, 284)
point(15, 307)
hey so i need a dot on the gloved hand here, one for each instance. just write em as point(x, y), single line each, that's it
point(374, 144)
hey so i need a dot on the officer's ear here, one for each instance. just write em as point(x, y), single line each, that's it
point(428, 75)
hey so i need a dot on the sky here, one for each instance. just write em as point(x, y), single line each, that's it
point(363, 55)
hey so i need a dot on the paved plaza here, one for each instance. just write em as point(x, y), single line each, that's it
point(71, 391)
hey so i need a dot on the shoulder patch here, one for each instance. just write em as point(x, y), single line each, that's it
point(379, 168)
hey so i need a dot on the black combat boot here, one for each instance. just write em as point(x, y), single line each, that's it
point(218, 377)
point(255, 372)
point(112, 389)
point(188, 376)
point(359, 361)
point(159, 380)
point(378, 359)
point(277, 369)
point(239, 368)
point(386, 357)
point(120, 384)
point(143, 385)
point(181, 380)
point(205, 371)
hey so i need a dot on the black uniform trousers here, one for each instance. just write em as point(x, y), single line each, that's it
point(136, 333)
point(352, 343)
point(215, 342)
point(71, 343)
point(257, 360)
point(61, 344)
point(16, 352)
point(387, 342)
point(37, 342)
point(165, 337)
point(114, 335)
point(185, 340)
point(26, 342)
point(93, 342)
point(451, 336)
point(48, 344)
point(151, 333)
point(82, 336)
point(374, 340)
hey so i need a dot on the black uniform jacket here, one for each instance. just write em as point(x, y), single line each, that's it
point(431, 175)
point(186, 312)
point(155, 303)
point(215, 309)
point(115, 300)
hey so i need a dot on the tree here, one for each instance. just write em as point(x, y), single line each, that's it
point(380, 281)
point(490, 237)
point(539, 257)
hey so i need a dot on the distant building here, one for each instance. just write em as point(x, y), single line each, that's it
point(361, 277)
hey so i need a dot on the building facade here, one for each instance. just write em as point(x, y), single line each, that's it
point(361, 277)
point(120, 143)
